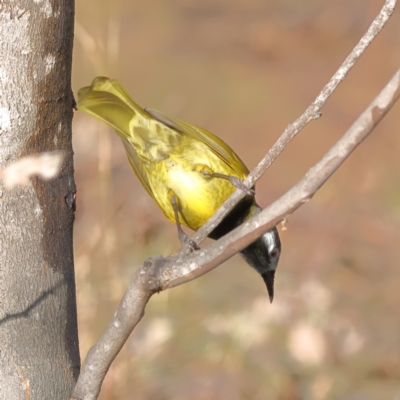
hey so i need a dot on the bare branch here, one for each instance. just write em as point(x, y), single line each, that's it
point(98, 360)
point(196, 265)
point(312, 112)
point(130, 311)
point(158, 273)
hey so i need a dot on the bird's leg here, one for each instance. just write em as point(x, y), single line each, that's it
point(183, 237)
point(237, 182)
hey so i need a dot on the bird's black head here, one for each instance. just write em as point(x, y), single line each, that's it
point(263, 254)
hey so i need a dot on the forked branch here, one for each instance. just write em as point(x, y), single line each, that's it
point(160, 273)
point(313, 112)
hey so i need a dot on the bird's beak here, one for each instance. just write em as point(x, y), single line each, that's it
point(269, 277)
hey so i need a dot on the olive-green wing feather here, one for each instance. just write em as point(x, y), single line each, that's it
point(137, 165)
point(216, 145)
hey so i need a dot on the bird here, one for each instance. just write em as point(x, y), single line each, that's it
point(188, 171)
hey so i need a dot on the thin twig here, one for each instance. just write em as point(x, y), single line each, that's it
point(312, 112)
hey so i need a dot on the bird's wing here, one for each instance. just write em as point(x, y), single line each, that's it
point(137, 165)
point(214, 143)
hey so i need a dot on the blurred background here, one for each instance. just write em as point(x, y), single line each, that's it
point(244, 71)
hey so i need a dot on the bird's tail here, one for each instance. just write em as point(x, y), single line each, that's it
point(106, 100)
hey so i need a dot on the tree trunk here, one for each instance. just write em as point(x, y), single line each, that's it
point(39, 356)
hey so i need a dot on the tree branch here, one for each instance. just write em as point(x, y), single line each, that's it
point(159, 273)
point(312, 112)
point(184, 269)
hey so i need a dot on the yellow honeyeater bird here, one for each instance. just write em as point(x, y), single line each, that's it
point(187, 170)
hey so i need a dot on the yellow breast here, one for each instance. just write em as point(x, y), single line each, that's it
point(198, 196)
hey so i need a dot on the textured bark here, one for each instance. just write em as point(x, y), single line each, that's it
point(39, 357)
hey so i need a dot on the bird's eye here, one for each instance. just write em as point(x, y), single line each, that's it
point(274, 253)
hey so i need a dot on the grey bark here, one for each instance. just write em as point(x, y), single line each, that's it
point(39, 357)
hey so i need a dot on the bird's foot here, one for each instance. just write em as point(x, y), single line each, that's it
point(186, 241)
point(237, 182)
